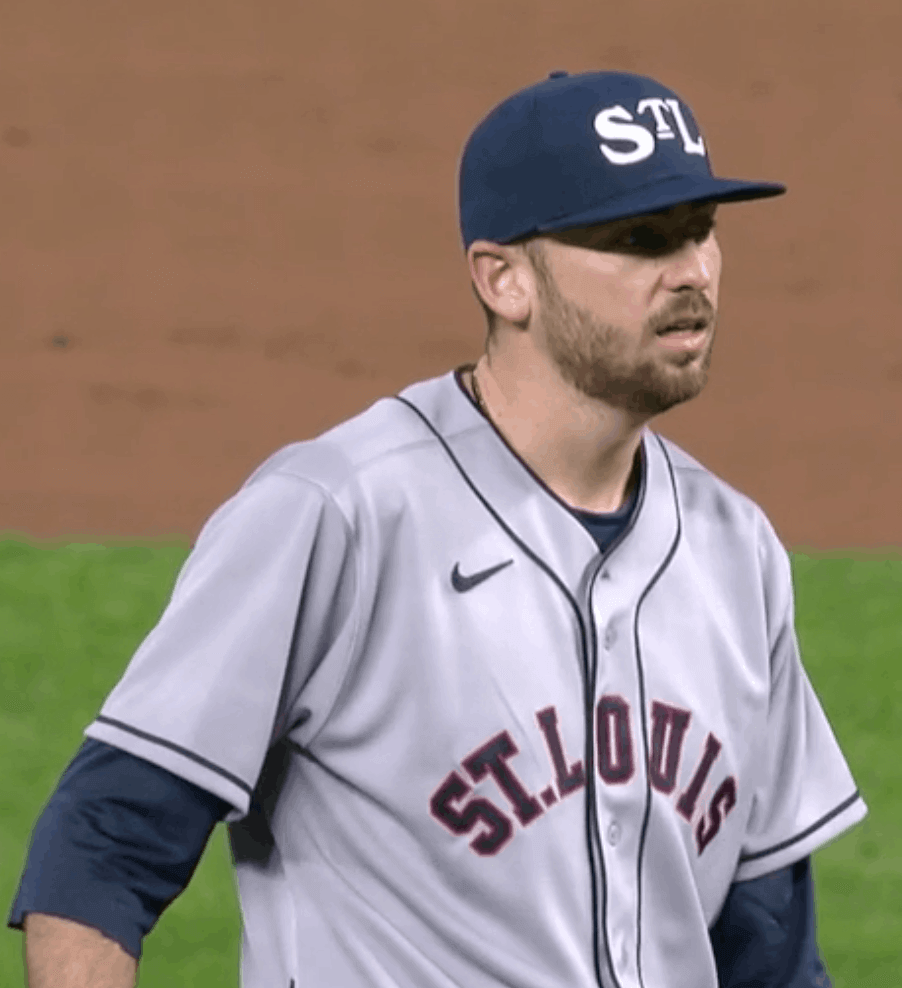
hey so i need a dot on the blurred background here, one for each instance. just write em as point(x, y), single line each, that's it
point(227, 226)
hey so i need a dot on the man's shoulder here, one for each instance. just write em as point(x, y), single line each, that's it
point(386, 430)
point(704, 493)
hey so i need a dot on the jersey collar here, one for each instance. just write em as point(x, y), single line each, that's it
point(523, 506)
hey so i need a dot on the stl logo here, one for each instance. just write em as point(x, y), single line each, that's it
point(615, 123)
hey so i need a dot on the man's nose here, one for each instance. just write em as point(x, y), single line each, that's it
point(691, 267)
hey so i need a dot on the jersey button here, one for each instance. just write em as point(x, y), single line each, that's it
point(610, 636)
point(614, 833)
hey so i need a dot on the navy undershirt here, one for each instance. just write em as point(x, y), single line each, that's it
point(120, 839)
point(117, 842)
point(606, 528)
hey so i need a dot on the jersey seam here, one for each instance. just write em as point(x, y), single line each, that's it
point(807, 832)
point(355, 467)
point(350, 653)
point(184, 752)
point(329, 496)
point(355, 608)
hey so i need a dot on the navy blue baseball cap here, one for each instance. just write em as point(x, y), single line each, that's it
point(576, 150)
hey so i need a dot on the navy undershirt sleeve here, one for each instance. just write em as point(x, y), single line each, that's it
point(765, 934)
point(118, 840)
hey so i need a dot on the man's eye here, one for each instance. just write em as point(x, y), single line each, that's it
point(652, 240)
point(646, 239)
point(700, 232)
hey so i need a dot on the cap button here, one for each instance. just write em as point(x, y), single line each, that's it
point(557, 74)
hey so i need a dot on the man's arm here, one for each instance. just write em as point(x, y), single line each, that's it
point(62, 954)
point(766, 932)
point(117, 842)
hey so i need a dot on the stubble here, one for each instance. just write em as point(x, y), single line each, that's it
point(595, 357)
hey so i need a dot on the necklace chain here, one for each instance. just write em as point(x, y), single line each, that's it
point(480, 402)
point(477, 394)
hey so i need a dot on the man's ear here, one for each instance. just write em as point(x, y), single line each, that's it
point(502, 276)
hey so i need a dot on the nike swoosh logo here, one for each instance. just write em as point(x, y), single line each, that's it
point(463, 583)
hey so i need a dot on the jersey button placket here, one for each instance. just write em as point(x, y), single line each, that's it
point(617, 831)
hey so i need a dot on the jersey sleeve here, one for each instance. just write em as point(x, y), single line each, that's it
point(265, 597)
point(804, 794)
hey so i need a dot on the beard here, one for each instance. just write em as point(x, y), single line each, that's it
point(593, 356)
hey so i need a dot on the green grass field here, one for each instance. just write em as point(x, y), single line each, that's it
point(71, 616)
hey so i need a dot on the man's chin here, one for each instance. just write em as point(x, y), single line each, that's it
point(648, 400)
point(645, 391)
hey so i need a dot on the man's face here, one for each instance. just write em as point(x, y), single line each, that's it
point(607, 292)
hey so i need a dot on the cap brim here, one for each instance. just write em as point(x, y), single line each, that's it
point(673, 191)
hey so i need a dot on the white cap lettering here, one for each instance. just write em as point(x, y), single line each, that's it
point(657, 105)
point(608, 125)
point(690, 146)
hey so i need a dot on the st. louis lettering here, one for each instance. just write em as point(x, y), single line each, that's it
point(615, 746)
point(455, 806)
point(721, 803)
point(497, 829)
point(686, 802)
point(668, 728)
point(492, 757)
point(568, 779)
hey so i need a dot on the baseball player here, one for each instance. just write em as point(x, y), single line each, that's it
point(494, 686)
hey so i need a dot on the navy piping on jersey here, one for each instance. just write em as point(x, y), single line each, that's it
point(589, 663)
point(642, 705)
point(635, 500)
point(178, 748)
point(593, 830)
point(826, 818)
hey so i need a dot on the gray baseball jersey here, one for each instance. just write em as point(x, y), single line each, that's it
point(462, 746)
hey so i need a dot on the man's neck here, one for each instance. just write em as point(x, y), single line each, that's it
point(584, 450)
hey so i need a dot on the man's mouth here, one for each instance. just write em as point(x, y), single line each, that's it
point(683, 326)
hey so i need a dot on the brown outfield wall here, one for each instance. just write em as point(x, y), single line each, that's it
point(228, 226)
